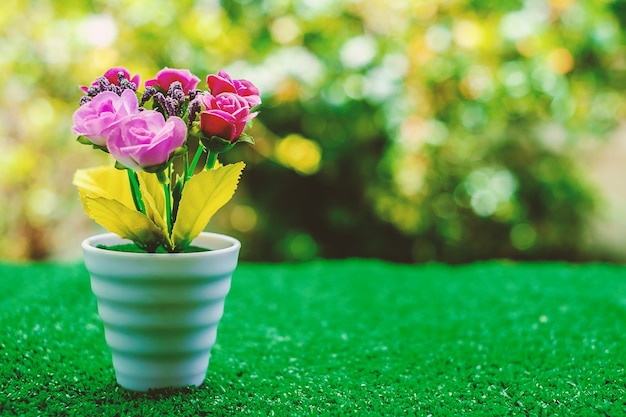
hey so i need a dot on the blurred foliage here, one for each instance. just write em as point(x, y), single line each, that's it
point(406, 130)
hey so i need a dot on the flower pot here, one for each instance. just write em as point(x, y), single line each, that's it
point(161, 311)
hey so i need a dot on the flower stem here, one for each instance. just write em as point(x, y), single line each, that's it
point(194, 162)
point(210, 160)
point(168, 208)
point(135, 191)
point(164, 179)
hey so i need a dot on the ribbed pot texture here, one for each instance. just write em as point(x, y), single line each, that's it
point(161, 311)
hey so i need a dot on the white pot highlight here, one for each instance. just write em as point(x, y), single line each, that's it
point(161, 311)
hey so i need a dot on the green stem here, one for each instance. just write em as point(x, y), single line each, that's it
point(168, 208)
point(185, 165)
point(210, 160)
point(163, 179)
point(194, 162)
point(135, 191)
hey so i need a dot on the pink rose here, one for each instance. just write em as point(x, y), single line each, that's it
point(112, 75)
point(98, 117)
point(222, 83)
point(167, 76)
point(146, 140)
point(225, 116)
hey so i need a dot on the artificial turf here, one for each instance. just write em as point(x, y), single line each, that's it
point(354, 337)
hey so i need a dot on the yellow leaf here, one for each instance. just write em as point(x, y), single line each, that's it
point(126, 222)
point(156, 216)
point(153, 197)
point(107, 182)
point(203, 195)
point(150, 185)
point(106, 197)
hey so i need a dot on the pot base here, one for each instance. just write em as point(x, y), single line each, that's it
point(143, 374)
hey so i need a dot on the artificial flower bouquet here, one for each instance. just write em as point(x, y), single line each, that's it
point(158, 194)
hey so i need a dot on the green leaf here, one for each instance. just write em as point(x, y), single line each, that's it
point(216, 144)
point(245, 138)
point(204, 194)
point(83, 140)
point(86, 141)
point(181, 150)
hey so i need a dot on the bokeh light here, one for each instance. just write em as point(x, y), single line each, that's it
point(406, 130)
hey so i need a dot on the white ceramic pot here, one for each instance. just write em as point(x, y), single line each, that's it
point(161, 311)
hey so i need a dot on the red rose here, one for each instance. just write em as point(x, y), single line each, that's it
point(225, 116)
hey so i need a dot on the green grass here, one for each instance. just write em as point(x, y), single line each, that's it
point(350, 337)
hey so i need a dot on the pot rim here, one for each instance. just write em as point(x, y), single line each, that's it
point(223, 242)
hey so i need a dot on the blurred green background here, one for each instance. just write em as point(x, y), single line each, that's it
point(404, 130)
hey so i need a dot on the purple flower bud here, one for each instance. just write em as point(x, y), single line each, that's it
point(194, 93)
point(195, 106)
point(171, 106)
point(147, 95)
point(114, 76)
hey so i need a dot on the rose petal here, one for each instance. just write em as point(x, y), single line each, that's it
point(218, 123)
point(167, 76)
point(146, 140)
